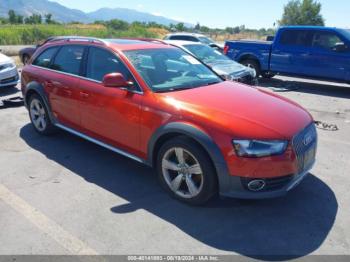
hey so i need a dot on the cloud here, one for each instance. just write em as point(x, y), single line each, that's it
point(140, 6)
point(157, 14)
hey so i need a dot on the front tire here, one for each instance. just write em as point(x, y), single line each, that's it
point(186, 171)
point(39, 116)
point(252, 64)
point(267, 75)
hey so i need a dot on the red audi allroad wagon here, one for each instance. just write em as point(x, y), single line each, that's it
point(160, 106)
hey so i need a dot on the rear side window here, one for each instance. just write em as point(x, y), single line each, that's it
point(69, 59)
point(296, 37)
point(45, 58)
point(184, 38)
point(102, 62)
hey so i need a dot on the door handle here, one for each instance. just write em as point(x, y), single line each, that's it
point(49, 84)
point(84, 95)
point(67, 91)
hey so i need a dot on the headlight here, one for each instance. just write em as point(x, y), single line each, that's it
point(253, 72)
point(259, 148)
point(7, 65)
point(231, 78)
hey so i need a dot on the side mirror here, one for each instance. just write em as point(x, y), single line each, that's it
point(340, 47)
point(270, 38)
point(115, 80)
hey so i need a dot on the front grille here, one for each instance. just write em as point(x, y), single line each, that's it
point(304, 144)
point(277, 183)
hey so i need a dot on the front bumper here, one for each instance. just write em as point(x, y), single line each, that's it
point(297, 161)
point(238, 189)
point(9, 77)
point(246, 78)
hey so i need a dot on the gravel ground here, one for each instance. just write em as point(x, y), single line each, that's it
point(63, 195)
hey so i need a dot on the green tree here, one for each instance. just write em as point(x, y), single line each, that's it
point(117, 24)
point(12, 17)
point(305, 12)
point(4, 20)
point(33, 19)
point(236, 30)
point(229, 30)
point(48, 18)
point(180, 27)
point(205, 29)
point(197, 27)
point(19, 19)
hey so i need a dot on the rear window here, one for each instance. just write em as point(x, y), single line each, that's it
point(206, 40)
point(69, 59)
point(184, 38)
point(296, 37)
point(45, 58)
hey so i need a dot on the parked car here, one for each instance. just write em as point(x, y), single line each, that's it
point(220, 63)
point(191, 37)
point(303, 51)
point(158, 105)
point(26, 53)
point(8, 71)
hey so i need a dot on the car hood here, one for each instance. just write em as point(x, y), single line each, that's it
point(230, 68)
point(5, 59)
point(244, 111)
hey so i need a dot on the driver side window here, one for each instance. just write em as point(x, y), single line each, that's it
point(326, 40)
point(101, 62)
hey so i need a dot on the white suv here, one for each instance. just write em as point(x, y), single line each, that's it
point(8, 71)
point(191, 37)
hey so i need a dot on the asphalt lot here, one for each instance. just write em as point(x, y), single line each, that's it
point(64, 195)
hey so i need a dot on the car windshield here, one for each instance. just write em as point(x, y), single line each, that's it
point(206, 54)
point(347, 33)
point(205, 40)
point(171, 69)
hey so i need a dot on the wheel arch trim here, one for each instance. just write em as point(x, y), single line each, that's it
point(200, 137)
point(39, 90)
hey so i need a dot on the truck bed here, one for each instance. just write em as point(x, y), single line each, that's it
point(240, 50)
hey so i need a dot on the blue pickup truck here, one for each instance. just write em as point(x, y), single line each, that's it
point(302, 51)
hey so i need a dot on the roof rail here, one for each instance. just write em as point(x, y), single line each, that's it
point(152, 40)
point(74, 38)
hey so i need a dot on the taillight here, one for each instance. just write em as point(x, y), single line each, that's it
point(226, 49)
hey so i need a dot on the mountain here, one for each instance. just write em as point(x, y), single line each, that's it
point(129, 15)
point(64, 14)
point(29, 7)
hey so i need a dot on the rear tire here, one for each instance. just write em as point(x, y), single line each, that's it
point(267, 75)
point(186, 171)
point(39, 116)
point(252, 64)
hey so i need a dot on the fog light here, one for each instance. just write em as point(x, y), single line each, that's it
point(256, 185)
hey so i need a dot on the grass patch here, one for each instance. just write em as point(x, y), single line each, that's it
point(32, 34)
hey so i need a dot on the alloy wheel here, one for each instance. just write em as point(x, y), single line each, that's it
point(182, 172)
point(38, 115)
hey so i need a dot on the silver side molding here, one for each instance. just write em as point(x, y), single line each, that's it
point(97, 142)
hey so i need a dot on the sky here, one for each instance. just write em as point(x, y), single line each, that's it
point(220, 14)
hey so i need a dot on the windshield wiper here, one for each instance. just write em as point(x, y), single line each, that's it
point(174, 89)
point(213, 83)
